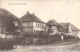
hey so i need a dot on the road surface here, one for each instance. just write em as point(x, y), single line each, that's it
point(47, 48)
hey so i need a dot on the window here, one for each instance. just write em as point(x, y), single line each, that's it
point(50, 30)
point(40, 25)
point(34, 31)
point(24, 24)
point(28, 23)
point(16, 23)
point(2, 30)
point(60, 28)
point(37, 24)
point(1, 12)
point(51, 23)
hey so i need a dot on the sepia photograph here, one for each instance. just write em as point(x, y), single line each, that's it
point(39, 25)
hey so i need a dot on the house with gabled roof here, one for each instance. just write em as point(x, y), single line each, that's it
point(32, 24)
point(5, 18)
point(69, 29)
point(53, 27)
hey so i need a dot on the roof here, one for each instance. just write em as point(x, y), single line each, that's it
point(6, 13)
point(66, 27)
point(74, 28)
point(53, 23)
point(30, 18)
point(5, 16)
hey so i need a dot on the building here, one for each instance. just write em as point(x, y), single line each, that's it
point(53, 27)
point(7, 21)
point(32, 24)
point(69, 29)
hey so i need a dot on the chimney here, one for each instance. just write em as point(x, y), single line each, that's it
point(33, 14)
point(27, 12)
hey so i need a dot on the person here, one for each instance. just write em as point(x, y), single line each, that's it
point(62, 36)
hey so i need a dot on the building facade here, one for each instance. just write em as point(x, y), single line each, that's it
point(69, 29)
point(7, 22)
point(53, 27)
point(32, 24)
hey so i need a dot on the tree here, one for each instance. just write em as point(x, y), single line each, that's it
point(49, 28)
point(8, 27)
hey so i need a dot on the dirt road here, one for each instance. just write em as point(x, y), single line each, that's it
point(46, 48)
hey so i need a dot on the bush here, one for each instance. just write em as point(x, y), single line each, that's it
point(6, 44)
point(66, 37)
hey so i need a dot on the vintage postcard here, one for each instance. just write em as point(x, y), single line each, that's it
point(39, 25)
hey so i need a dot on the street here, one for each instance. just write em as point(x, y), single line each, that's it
point(46, 48)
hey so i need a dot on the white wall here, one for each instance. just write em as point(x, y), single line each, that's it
point(33, 26)
point(55, 30)
point(70, 30)
point(78, 34)
point(38, 26)
point(27, 24)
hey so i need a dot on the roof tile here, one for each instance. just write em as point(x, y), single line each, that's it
point(30, 18)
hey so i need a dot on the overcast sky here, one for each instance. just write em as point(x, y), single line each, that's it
point(60, 10)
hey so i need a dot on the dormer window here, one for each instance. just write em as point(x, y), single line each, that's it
point(60, 28)
point(51, 23)
point(1, 12)
point(51, 31)
point(16, 23)
point(19, 30)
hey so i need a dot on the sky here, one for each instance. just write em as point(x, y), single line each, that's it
point(60, 10)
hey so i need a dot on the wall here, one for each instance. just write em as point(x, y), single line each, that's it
point(78, 34)
point(75, 33)
point(69, 30)
point(72, 32)
point(27, 24)
point(27, 31)
point(38, 27)
point(32, 27)
point(2, 30)
point(3, 33)
point(55, 30)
